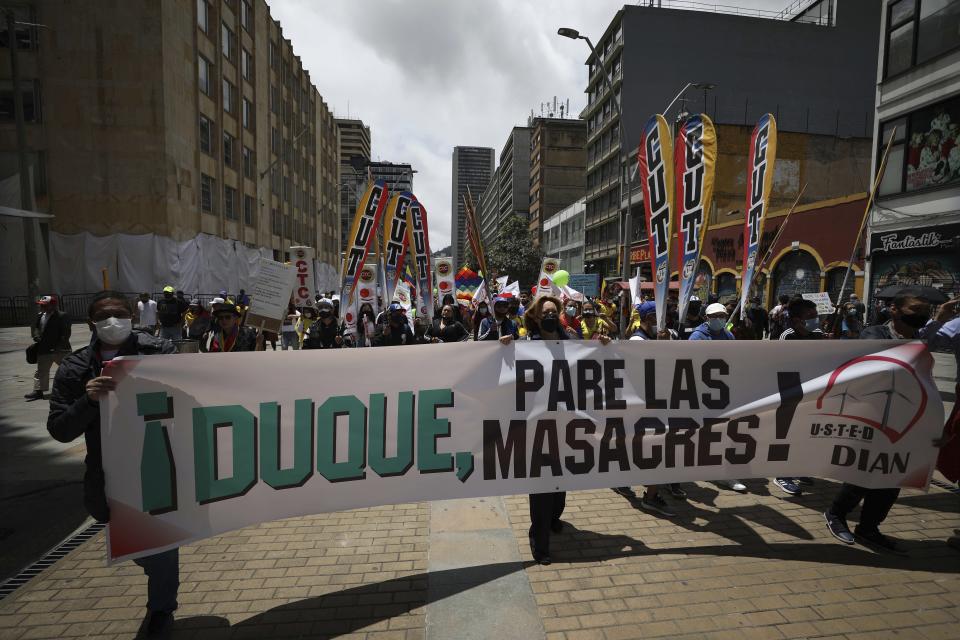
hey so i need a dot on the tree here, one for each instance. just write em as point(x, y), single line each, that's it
point(514, 253)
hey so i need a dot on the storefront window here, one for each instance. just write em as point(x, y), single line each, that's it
point(927, 256)
point(918, 31)
point(926, 150)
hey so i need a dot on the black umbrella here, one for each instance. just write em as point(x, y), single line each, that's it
point(931, 294)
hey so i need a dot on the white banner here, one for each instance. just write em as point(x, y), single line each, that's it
point(195, 445)
point(545, 286)
point(446, 280)
point(367, 288)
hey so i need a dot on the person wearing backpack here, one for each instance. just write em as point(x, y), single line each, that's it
point(169, 316)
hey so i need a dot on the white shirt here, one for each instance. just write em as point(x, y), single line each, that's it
point(148, 313)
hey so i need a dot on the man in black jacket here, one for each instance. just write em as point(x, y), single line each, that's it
point(396, 330)
point(75, 410)
point(51, 338)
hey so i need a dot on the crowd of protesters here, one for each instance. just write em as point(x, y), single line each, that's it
point(122, 326)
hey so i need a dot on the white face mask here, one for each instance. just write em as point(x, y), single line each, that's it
point(114, 331)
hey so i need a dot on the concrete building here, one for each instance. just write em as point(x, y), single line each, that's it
point(488, 210)
point(472, 169)
point(354, 143)
point(914, 228)
point(398, 175)
point(513, 176)
point(814, 72)
point(558, 162)
point(563, 236)
point(205, 122)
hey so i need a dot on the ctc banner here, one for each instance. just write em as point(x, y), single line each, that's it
point(763, 156)
point(655, 159)
point(195, 445)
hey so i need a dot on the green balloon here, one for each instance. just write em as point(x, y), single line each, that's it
point(561, 278)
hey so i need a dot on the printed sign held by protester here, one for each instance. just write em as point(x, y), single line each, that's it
point(271, 295)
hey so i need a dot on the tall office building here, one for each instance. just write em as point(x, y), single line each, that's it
point(354, 143)
point(472, 169)
point(558, 161)
point(205, 122)
point(397, 175)
point(828, 51)
point(509, 191)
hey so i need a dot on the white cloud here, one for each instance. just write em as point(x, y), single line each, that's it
point(428, 75)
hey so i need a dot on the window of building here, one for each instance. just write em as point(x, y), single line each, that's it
point(246, 114)
point(205, 69)
point(246, 65)
point(31, 101)
point(249, 166)
point(246, 15)
point(275, 222)
point(286, 188)
point(208, 190)
point(228, 144)
point(203, 15)
point(274, 56)
point(230, 203)
point(275, 99)
point(275, 140)
point(248, 210)
point(918, 31)
point(25, 34)
point(206, 135)
point(926, 150)
point(229, 97)
point(228, 43)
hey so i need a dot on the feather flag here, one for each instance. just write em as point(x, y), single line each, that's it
point(419, 241)
point(763, 155)
point(695, 154)
point(362, 232)
point(395, 239)
point(656, 177)
point(473, 232)
point(467, 281)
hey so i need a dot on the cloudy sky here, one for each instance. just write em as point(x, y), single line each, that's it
point(428, 75)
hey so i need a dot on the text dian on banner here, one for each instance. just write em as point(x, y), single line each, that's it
point(655, 159)
point(186, 456)
point(695, 155)
point(760, 166)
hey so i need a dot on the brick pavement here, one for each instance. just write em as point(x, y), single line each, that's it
point(729, 566)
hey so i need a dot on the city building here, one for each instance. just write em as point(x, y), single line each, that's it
point(513, 176)
point(563, 236)
point(354, 156)
point(488, 210)
point(472, 170)
point(814, 70)
point(398, 176)
point(205, 123)
point(558, 162)
point(914, 228)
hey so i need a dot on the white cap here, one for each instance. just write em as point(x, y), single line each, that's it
point(714, 308)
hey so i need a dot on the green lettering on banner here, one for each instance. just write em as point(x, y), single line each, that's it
point(327, 414)
point(429, 428)
point(302, 468)
point(158, 475)
point(379, 462)
point(242, 424)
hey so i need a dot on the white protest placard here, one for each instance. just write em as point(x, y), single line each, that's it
point(302, 259)
point(824, 306)
point(195, 445)
point(271, 295)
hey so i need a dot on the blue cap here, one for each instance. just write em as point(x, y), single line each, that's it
point(646, 307)
point(396, 306)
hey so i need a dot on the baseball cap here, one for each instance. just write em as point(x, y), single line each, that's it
point(168, 289)
point(395, 306)
point(714, 308)
point(646, 307)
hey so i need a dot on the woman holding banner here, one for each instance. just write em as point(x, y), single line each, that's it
point(542, 321)
point(447, 328)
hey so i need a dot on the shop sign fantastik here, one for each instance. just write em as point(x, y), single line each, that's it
point(894, 242)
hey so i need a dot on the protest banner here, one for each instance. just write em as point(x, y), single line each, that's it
point(270, 295)
point(360, 239)
point(395, 240)
point(545, 286)
point(419, 244)
point(367, 288)
point(655, 159)
point(824, 306)
point(197, 445)
point(586, 283)
point(761, 162)
point(302, 260)
point(446, 279)
point(695, 154)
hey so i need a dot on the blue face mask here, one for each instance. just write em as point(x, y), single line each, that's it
point(716, 325)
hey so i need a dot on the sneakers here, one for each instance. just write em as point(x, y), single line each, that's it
point(626, 492)
point(677, 491)
point(788, 486)
point(657, 505)
point(735, 485)
point(35, 395)
point(873, 538)
point(838, 528)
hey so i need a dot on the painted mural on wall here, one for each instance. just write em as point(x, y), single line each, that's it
point(934, 151)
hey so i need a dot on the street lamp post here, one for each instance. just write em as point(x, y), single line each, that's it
point(627, 222)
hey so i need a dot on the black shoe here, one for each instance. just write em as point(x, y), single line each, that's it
point(873, 538)
point(677, 491)
point(556, 526)
point(35, 395)
point(626, 492)
point(159, 624)
point(539, 558)
point(656, 504)
point(838, 528)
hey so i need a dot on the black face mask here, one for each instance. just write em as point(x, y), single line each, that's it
point(325, 313)
point(549, 323)
point(915, 320)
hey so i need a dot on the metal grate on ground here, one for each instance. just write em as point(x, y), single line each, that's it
point(49, 559)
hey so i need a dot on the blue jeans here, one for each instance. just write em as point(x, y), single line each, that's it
point(289, 340)
point(163, 579)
